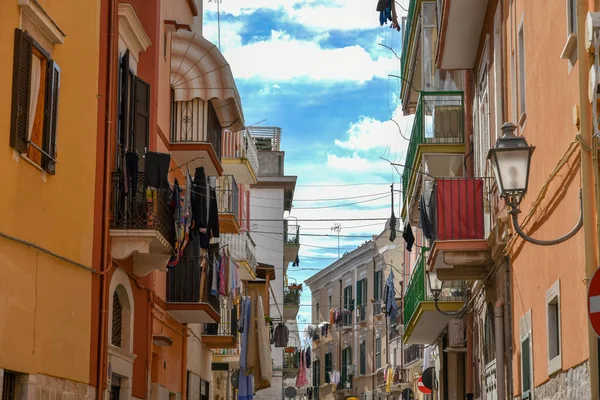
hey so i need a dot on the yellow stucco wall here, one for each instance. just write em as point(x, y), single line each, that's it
point(45, 303)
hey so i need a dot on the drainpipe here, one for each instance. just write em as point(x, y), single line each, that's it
point(106, 261)
point(510, 329)
point(184, 361)
point(469, 388)
point(589, 211)
point(499, 336)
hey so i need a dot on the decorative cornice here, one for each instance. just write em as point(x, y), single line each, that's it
point(132, 30)
point(38, 15)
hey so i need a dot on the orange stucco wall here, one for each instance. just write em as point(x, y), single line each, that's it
point(45, 303)
point(551, 93)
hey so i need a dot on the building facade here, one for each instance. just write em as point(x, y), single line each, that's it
point(48, 113)
point(354, 332)
point(499, 327)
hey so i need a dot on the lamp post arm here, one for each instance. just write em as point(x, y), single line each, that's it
point(514, 212)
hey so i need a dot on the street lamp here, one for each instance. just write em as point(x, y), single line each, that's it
point(511, 162)
point(436, 286)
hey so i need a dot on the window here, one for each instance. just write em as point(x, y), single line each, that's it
point(117, 323)
point(553, 326)
point(363, 357)
point(521, 61)
point(318, 313)
point(571, 17)
point(482, 126)
point(34, 115)
point(134, 114)
point(316, 373)
point(361, 292)
point(377, 353)
point(377, 285)
point(346, 362)
point(526, 357)
point(330, 302)
point(348, 304)
point(328, 366)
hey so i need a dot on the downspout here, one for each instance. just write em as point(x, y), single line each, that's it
point(589, 211)
point(150, 320)
point(499, 338)
point(184, 361)
point(510, 330)
point(105, 257)
point(469, 388)
point(373, 391)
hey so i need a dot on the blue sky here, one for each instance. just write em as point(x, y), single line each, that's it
point(315, 69)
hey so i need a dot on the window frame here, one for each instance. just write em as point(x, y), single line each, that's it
point(363, 358)
point(553, 328)
point(378, 352)
point(525, 333)
point(378, 285)
point(328, 366)
point(522, 97)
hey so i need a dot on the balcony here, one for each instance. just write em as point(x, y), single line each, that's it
point(361, 315)
point(400, 379)
point(227, 356)
point(185, 302)
point(223, 335)
point(243, 250)
point(422, 322)
point(196, 135)
point(240, 157)
point(141, 228)
point(438, 128)
point(378, 309)
point(396, 331)
point(412, 354)
point(291, 242)
point(291, 362)
point(344, 321)
point(228, 202)
point(459, 24)
point(291, 301)
point(460, 215)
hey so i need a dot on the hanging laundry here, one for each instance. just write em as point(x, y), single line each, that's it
point(388, 383)
point(213, 218)
point(282, 335)
point(308, 361)
point(424, 222)
point(301, 378)
point(390, 298)
point(157, 169)
point(246, 379)
point(130, 170)
point(296, 262)
point(385, 14)
point(223, 274)
point(392, 219)
point(199, 200)
point(215, 277)
point(266, 364)
point(408, 236)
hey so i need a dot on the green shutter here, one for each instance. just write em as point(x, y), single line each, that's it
point(359, 296)
point(328, 366)
point(363, 358)
point(526, 365)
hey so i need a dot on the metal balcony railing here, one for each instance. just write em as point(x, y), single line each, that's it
point(187, 124)
point(137, 206)
point(457, 208)
point(439, 119)
point(418, 290)
point(240, 145)
point(291, 360)
point(183, 284)
point(400, 375)
point(291, 233)
point(228, 195)
point(407, 28)
point(344, 319)
point(361, 313)
point(396, 331)
point(241, 246)
point(413, 353)
point(229, 321)
point(291, 296)
point(377, 307)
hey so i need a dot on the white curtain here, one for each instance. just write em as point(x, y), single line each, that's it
point(36, 69)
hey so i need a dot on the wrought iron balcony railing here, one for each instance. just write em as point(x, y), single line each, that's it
point(137, 206)
point(229, 321)
point(361, 313)
point(187, 124)
point(413, 353)
point(183, 284)
point(240, 145)
point(228, 195)
point(291, 234)
point(377, 307)
point(291, 358)
point(241, 246)
point(439, 119)
point(291, 296)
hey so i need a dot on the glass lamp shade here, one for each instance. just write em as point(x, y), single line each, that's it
point(435, 285)
point(511, 160)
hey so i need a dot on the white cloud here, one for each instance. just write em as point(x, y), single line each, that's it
point(354, 163)
point(283, 58)
point(269, 90)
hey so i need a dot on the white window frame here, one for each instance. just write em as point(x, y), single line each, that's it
point(525, 333)
point(482, 88)
point(522, 77)
point(498, 87)
point(553, 298)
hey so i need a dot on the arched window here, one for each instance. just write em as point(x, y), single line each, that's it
point(117, 317)
point(489, 342)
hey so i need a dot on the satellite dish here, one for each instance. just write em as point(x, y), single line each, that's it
point(429, 377)
point(290, 392)
point(407, 394)
point(235, 379)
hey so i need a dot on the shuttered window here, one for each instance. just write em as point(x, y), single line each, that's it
point(328, 366)
point(34, 108)
point(363, 358)
point(377, 285)
point(361, 292)
point(526, 367)
point(134, 113)
point(346, 361)
point(378, 353)
point(316, 373)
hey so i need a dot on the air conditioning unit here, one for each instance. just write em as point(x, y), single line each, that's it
point(456, 333)
point(351, 370)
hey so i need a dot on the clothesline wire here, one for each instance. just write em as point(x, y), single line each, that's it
point(329, 199)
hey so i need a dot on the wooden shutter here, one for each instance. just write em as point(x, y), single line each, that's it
point(19, 120)
point(526, 366)
point(328, 366)
point(359, 296)
point(363, 358)
point(51, 116)
point(141, 123)
point(124, 103)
